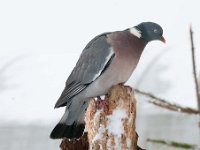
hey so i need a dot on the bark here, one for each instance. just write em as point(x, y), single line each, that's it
point(102, 124)
point(75, 144)
point(111, 127)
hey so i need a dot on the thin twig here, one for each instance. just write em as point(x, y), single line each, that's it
point(165, 104)
point(172, 143)
point(199, 82)
point(194, 68)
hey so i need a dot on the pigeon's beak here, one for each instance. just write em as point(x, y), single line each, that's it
point(163, 39)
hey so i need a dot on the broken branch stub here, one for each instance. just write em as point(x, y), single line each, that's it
point(113, 127)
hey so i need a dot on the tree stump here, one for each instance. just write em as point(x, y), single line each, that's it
point(114, 127)
point(110, 128)
point(75, 144)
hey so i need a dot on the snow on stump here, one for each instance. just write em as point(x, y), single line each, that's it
point(113, 127)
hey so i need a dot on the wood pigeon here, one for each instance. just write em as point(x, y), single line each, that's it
point(107, 60)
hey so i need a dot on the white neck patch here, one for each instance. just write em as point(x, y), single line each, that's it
point(135, 32)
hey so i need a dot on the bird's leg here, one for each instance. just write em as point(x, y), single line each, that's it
point(101, 104)
point(121, 84)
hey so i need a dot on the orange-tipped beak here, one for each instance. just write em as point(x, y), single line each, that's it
point(163, 39)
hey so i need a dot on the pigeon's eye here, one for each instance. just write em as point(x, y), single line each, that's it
point(155, 30)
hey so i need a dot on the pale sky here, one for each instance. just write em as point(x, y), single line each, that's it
point(40, 42)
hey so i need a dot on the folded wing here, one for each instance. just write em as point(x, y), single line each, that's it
point(94, 59)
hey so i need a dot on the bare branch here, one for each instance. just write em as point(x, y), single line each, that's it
point(172, 143)
point(199, 83)
point(194, 68)
point(165, 104)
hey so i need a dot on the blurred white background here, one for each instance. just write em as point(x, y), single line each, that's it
point(41, 40)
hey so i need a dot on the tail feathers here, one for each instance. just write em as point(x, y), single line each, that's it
point(68, 131)
point(71, 124)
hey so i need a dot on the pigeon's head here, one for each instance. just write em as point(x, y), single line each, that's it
point(149, 31)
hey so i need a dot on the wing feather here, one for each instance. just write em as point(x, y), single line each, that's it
point(93, 60)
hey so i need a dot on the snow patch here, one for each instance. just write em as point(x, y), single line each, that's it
point(128, 143)
point(108, 143)
point(97, 114)
point(115, 125)
point(99, 135)
point(103, 97)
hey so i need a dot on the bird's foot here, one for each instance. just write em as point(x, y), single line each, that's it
point(121, 83)
point(101, 104)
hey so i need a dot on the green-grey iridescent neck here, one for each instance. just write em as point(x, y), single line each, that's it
point(150, 31)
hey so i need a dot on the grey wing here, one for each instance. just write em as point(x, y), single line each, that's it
point(94, 59)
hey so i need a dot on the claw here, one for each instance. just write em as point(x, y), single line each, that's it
point(101, 104)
